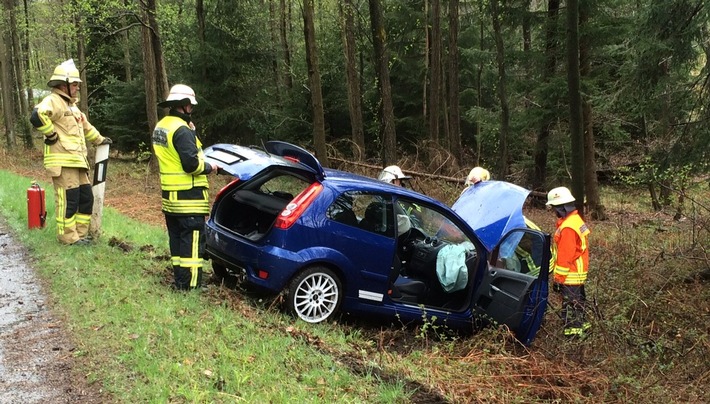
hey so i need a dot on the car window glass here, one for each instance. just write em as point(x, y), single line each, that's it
point(341, 210)
point(522, 252)
point(284, 186)
point(372, 212)
point(432, 222)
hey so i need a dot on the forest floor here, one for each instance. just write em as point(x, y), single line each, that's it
point(37, 359)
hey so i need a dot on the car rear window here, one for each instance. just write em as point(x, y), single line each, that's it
point(284, 186)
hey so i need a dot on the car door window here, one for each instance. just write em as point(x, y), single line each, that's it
point(367, 211)
point(522, 252)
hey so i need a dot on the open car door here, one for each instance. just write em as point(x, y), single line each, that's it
point(514, 288)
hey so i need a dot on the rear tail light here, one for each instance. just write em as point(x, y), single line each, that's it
point(295, 208)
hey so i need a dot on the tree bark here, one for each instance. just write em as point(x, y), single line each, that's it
point(594, 205)
point(200, 14)
point(314, 80)
point(126, 45)
point(149, 75)
point(539, 174)
point(502, 167)
point(435, 79)
point(453, 75)
point(347, 10)
point(575, 103)
point(17, 57)
point(379, 40)
point(161, 74)
point(286, 53)
point(6, 82)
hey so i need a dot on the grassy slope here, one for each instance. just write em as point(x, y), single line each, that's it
point(148, 344)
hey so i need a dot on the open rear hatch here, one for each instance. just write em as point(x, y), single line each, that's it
point(266, 182)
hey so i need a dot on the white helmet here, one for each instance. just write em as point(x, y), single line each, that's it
point(559, 196)
point(179, 95)
point(391, 173)
point(66, 72)
point(477, 174)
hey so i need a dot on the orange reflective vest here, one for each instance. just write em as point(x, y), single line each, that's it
point(571, 241)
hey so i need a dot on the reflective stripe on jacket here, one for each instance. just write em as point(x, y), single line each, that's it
point(571, 255)
point(183, 192)
point(59, 113)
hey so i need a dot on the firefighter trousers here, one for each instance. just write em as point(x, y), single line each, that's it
point(73, 202)
point(187, 247)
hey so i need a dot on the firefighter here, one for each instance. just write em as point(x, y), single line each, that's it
point(571, 251)
point(476, 175)
point(66, 133)
point(184, 185)
point(393, 175)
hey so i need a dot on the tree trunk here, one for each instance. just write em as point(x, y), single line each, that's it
point(347, 11)
point(435, 63)
point(314, 80)
point(594, 205)
point(379, 40)
point(425, 81)
point(288, 81)
point(539, 174)
point(17, 57)
point(502, 167)
point(149, 75)
point(161, 75)
point(6, 82)
point(453, 74)
point(575, 103)
point(26, 56)
point(200, 14)
point(126, 45)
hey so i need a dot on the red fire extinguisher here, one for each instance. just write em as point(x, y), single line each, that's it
point(36, 210)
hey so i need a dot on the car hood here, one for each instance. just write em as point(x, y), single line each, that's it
point(492, 209)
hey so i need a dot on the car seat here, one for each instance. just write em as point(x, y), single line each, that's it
point(375, 219)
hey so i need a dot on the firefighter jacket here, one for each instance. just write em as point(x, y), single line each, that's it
point(183, 172)
point(571, 242)
point(66, 132)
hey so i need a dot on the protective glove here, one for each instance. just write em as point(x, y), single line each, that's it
point(106, 141)
point(51, 139)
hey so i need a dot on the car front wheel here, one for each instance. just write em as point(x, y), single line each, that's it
point(315, 294)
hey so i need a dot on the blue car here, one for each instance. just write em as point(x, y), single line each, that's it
point(333, 241)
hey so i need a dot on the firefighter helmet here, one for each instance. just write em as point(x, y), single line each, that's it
point(391, 173)
point(477, 174)
point(559, 196)
point(179, 95)
point(64, 73)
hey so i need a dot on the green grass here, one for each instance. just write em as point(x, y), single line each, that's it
point(147, 343)
point(144, 343)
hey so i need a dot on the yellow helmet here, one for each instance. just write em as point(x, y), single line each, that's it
point(559, 196)
point(477, 174)
point(66, 72)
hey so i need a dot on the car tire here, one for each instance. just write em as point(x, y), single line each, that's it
point(315, 294)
